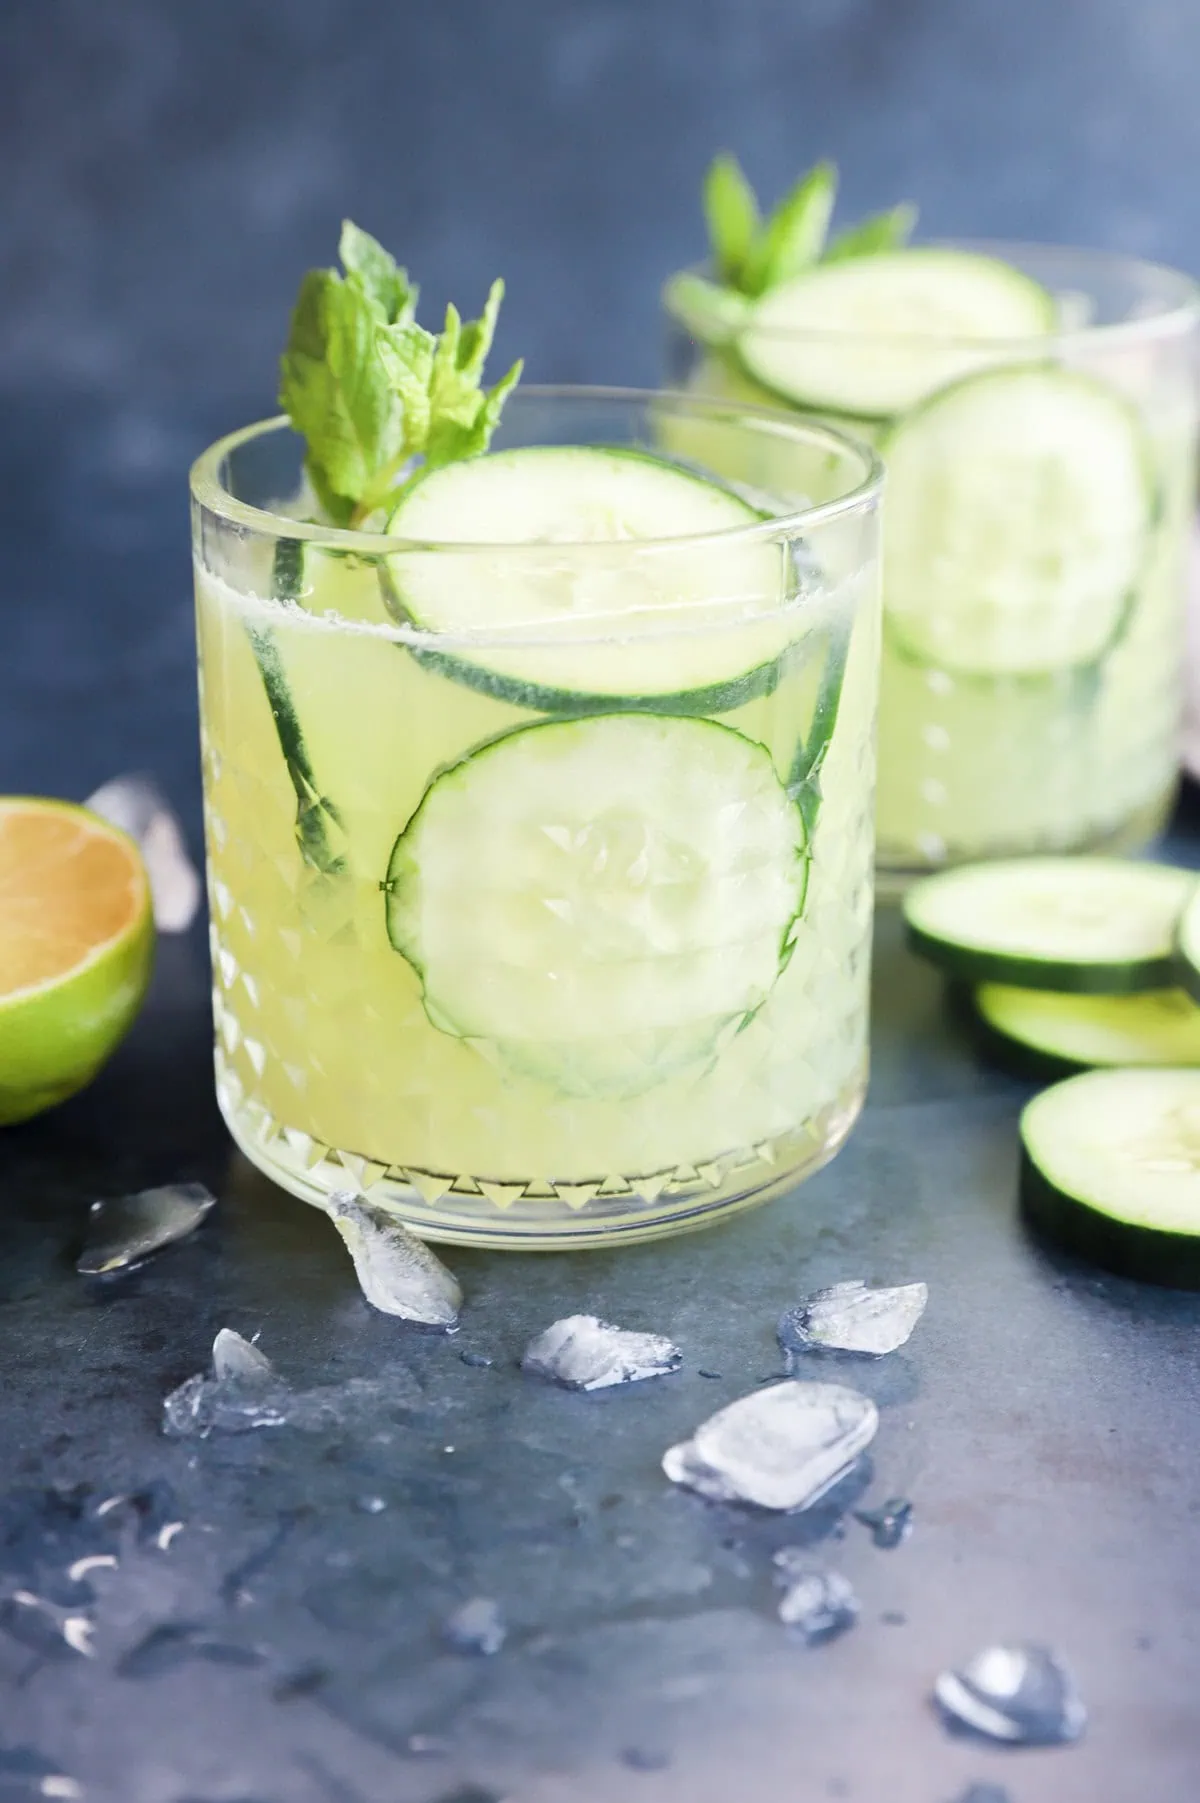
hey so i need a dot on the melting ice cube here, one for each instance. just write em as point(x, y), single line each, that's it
point(819, 1604)
point(236, 1360)
point(138, 807)
point(852, 1318)
point(243, 1393)
point(124, 1231)
point(781, 1447)
point(397, 1272)
point(477, 1627)
point(1020, 1694)
point(584, 1353)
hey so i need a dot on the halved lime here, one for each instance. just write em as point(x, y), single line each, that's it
point(76, 947)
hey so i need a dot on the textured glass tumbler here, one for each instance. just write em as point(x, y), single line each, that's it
point(1042, 713)
point(555, 933)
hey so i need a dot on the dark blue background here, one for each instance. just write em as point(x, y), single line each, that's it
point(171, 168)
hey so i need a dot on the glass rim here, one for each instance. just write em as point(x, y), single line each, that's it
point(1178, 316)
point(211, 494)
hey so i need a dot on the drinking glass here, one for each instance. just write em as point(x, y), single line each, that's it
point(553, 931)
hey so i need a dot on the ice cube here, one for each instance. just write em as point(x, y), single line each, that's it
point(397, 1272)
point(203, 1406)
point(476, 1627)
point(1020, 1694)
point(139, 808)
point(582, 1352)
point(783, 1447)
point(890, 1523)
point(128, 1229)
point(849, 1317)
point(819, 1604)
point(236, 1360)
point(244, 1392)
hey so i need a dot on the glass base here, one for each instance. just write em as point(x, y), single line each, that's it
point(896, 869)
point(543, 1216)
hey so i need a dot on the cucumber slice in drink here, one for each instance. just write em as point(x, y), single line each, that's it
point(874, 335)
point(664, 612)
point(1086, 925)
point(1020, 508)
point(1111, 1171)
point(600, 903)
point(1045, 1035)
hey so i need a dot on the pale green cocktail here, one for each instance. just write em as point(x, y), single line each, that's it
point(1036, 413)
point(540, 865)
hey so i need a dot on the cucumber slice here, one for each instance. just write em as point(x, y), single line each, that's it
point(1088, 925)
point(1188, 967)
point(600, 903)
point(1020, 507)
point(1045, 1034)
point(694, 626)
point(1111, 1171)
point(874, 335)
point(319, 834)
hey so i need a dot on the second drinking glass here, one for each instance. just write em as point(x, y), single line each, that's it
point(1041, 488)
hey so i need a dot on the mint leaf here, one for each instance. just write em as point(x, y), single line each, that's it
point(376, 275)
point(335, 392)
point(731, 211)
point(711, 314)
point(372, 392)
point(794, 235)
point(881, 232)
point(463, 416)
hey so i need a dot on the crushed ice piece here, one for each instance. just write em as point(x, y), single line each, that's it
point(236, 1360)
point(24, 1773)
point(582, 1352)
point(780, 1448)
point(476, 1627)
point(203, 1406)
point(139, 808)
point(478, 1361)
point(984, 1793)
point(890, 1524)
point(1020, 1694)
point(124, 1231)
point(397, 1272)
point(849, 1317)
point(243, 1393)
point(818, 1604)
point(371, 1505)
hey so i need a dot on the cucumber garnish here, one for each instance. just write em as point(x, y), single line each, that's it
point(600, 904)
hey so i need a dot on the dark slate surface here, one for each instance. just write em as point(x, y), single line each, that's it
point(285, 1647)
point(170, 169)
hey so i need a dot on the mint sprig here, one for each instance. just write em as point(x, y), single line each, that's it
point(751, 253)
point(375, 396)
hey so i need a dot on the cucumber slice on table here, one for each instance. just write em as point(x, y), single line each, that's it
point(1088, 925)
point(1020, 507)
point(600, 903)
point(1043, 1034)
point(874, 335)
point(690, 627)
point(1111, 1170)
